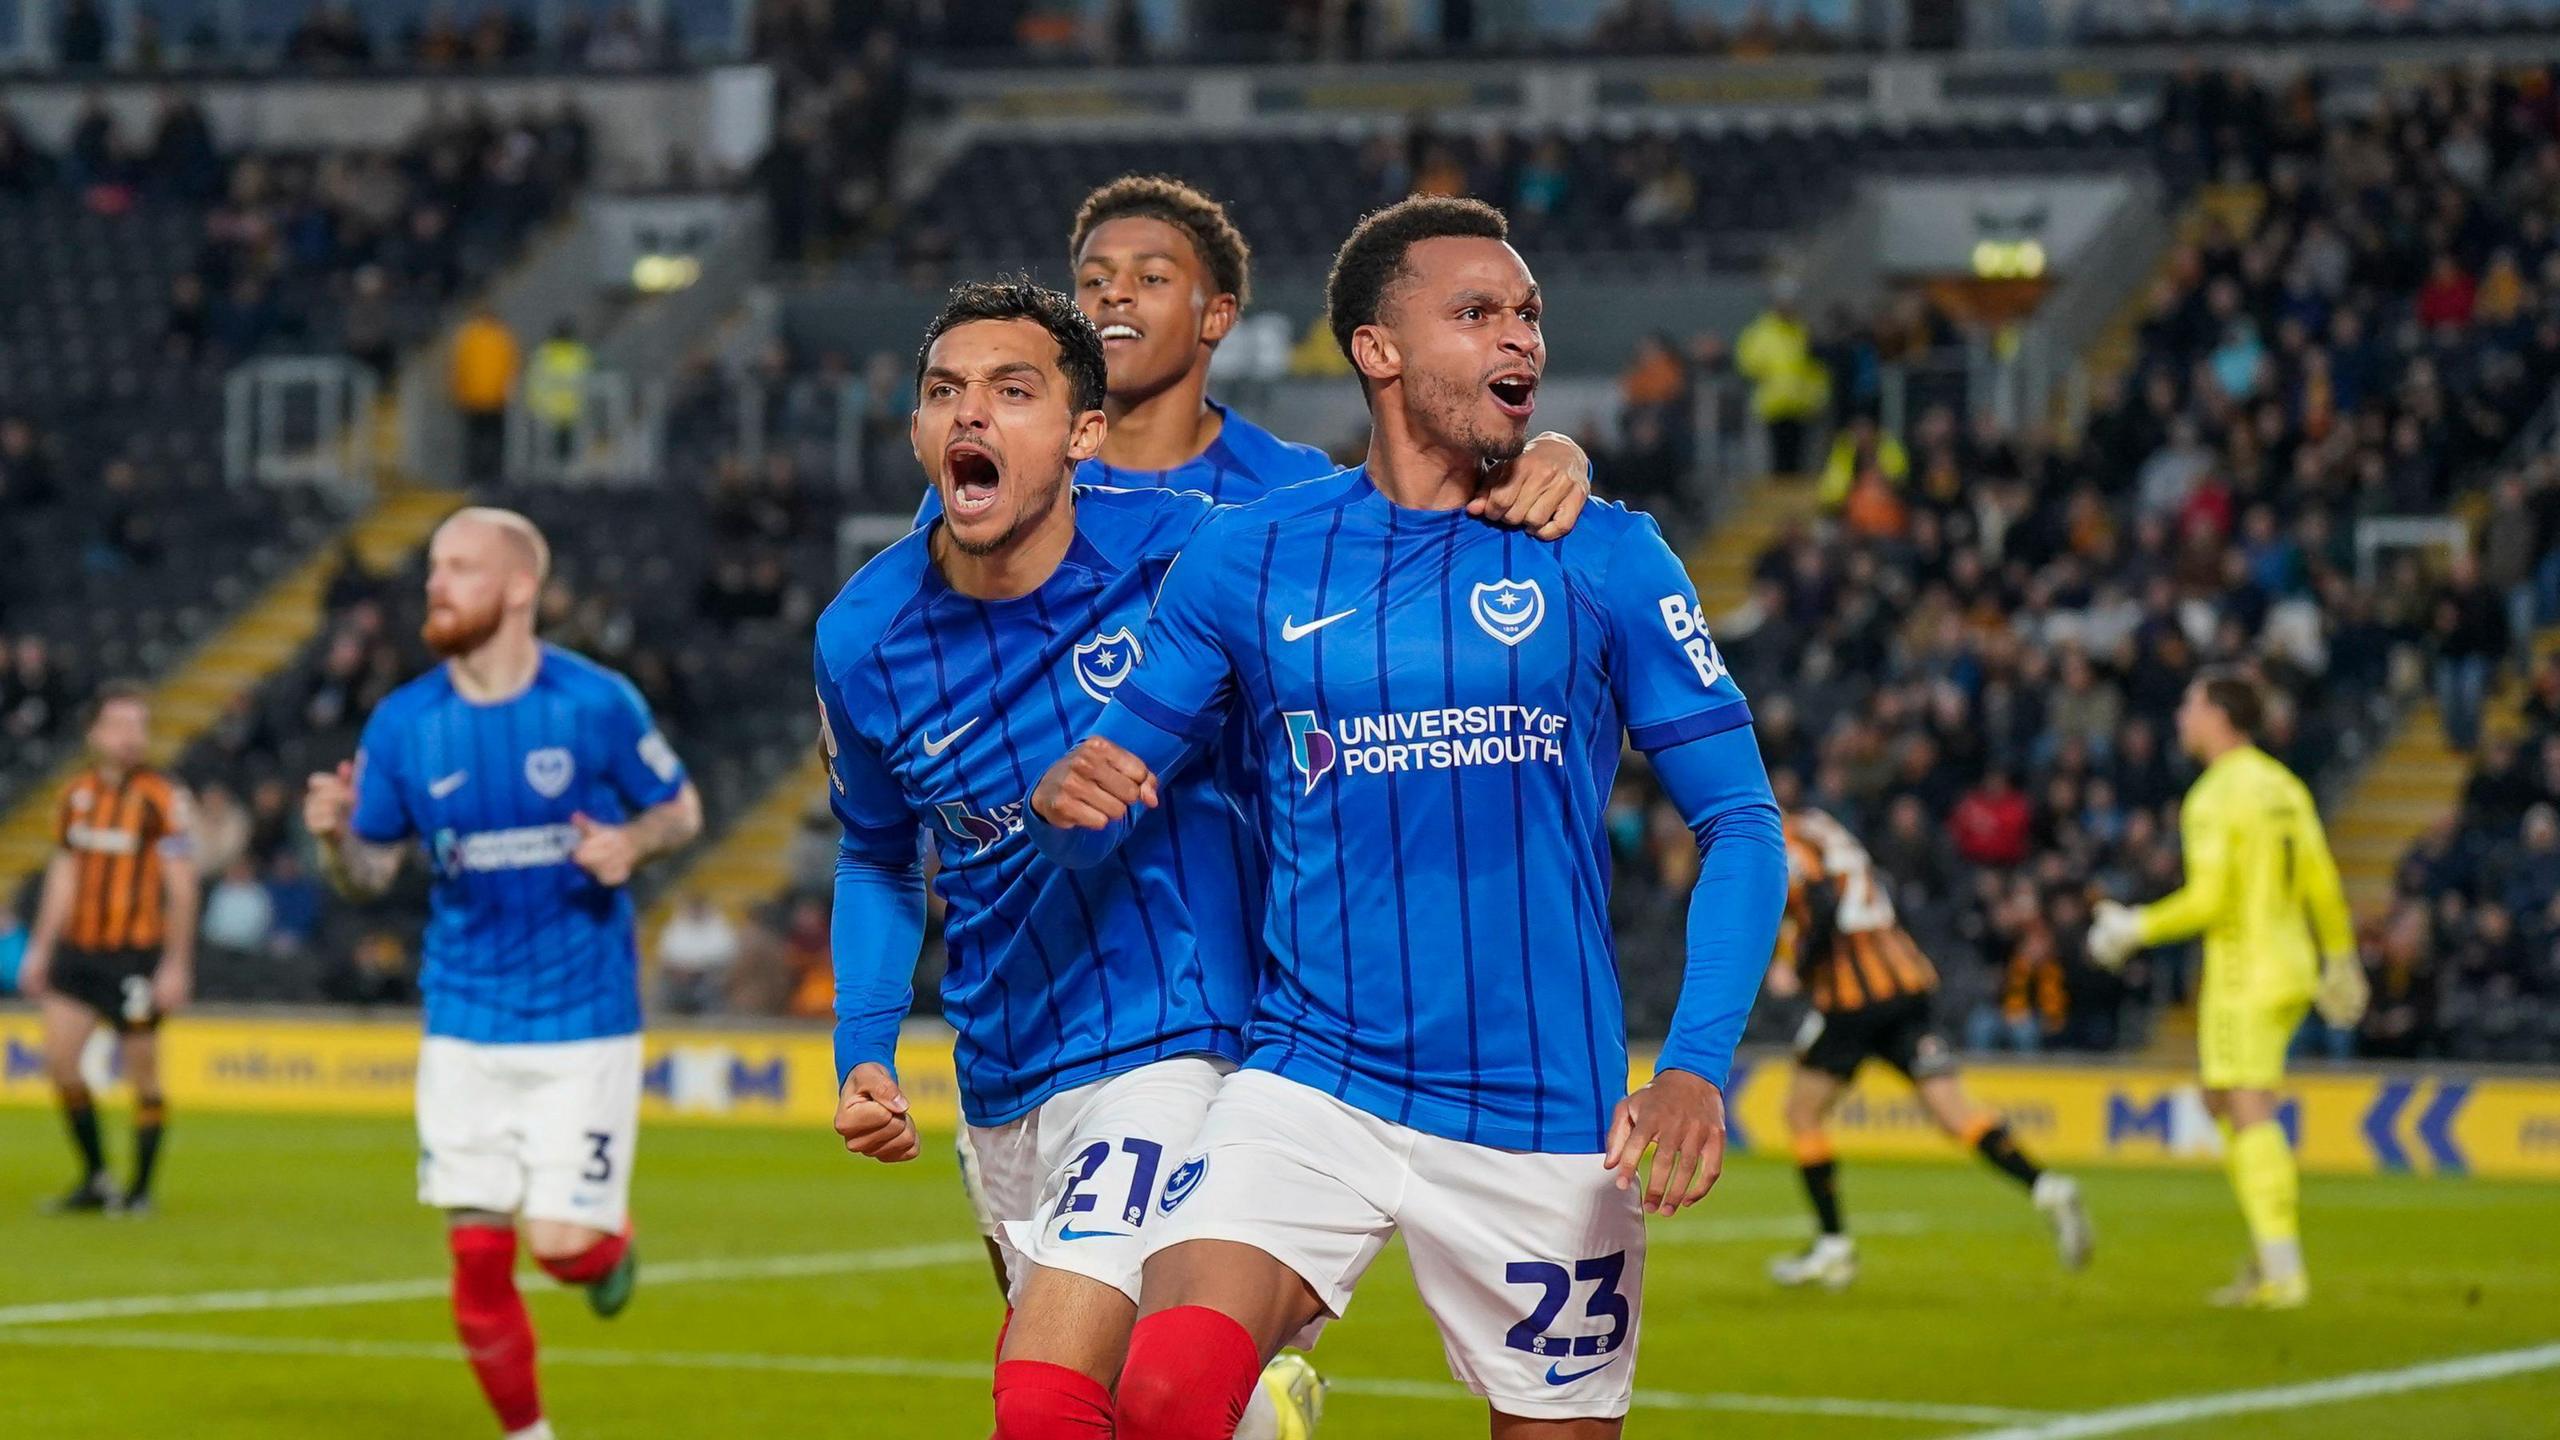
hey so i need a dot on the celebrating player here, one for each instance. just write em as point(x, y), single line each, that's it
point(2264, 893)
point(1163, 274)
point(114, 938)
point(1097, 1012)
point(538, 783)
point(1872, 993)
point(1436, 710)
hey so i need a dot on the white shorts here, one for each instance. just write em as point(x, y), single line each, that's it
point(1532, 1265)
point(1071, 1185)
point(543, 1131)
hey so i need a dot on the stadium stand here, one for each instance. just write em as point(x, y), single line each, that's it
point(1692, 197)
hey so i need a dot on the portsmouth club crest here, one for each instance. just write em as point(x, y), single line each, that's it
point(549, 771)
point(1508, 610)
point(1105, 660)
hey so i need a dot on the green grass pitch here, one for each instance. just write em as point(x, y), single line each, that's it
point(791, 1291)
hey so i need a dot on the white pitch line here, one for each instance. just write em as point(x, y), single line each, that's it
point(2468, 1370)
point(776, 1267)
point(679, 1272)
point(902, 1367)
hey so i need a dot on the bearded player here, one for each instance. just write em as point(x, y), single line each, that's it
point(1164, 275)
point(1873, 993)
point(1437, 708)
point(537, 783)
point(1097, 1011)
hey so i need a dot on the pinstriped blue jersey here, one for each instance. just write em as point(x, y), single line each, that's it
point(521, 946)
point(941, 712)
point(1245, 462)
point(1433, 710)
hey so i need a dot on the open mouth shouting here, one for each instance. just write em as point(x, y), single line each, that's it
point(975, 477)
point(1515, 392)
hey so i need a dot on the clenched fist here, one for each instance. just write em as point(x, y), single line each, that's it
point(871, 1115)
point(328, 800)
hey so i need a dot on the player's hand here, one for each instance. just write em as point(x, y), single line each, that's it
point(2344, 992)
point(172, 986)
point(328, 799)
point(2115, 933)
point(1681, 1118)
point(35, 968)
point(1541, 490)
point(604, 851)
point(1093, 786)
point(1783, 981)
point(871, 1115)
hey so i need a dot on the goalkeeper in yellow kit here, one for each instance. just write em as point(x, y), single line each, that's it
point(2264, 893)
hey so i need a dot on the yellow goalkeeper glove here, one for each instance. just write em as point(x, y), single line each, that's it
point(2114, 934)
point(2343, 993)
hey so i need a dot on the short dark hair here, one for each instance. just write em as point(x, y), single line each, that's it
point(2236, 696)
point(116, 692)
point(1079, 347)
point(1372, 260)
point(1184, 207)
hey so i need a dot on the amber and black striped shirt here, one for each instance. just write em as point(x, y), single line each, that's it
point(119, 833)
point(1850, 948)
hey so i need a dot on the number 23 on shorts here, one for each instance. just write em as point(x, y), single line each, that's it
point(1555, 1286)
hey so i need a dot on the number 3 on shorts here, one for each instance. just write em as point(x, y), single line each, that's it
point(1555, 1287)
point(599, 1159)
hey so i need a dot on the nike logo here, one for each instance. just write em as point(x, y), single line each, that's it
point(1070, 1232)
point(933, 747)
point(438, 789)
point(1291, 630)
point(1555, 1377)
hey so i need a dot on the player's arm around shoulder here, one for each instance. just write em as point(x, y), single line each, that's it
point(1541, 490)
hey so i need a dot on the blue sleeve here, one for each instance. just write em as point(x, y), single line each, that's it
point(1671, 682)
point(1182, 681)
point(877, 932)
point(1173, 702)
point(381, 816)
point(929, 509)
point(878, 926)
point(1722, 791)
point(639, 762)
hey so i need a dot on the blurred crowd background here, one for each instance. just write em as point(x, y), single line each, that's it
point(1964, 636)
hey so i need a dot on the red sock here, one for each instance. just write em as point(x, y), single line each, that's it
point(1003, 1330)
point(497, 1336)
point(589, 1265)
point(1190, 1373)
point(1036, 1400)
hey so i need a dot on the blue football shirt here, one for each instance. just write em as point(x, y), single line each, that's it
point(1434, 711)
point(940, 713)
point(1245, 462)
point(521, 946)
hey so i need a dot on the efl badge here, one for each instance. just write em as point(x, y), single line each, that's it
point(1508, 610)
point(549, 770)
point(1105, 660)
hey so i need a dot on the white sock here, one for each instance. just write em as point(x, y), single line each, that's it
point(538, 1430)
point(1261, 1415)
point(1833, 1245)
point(2280, 1260)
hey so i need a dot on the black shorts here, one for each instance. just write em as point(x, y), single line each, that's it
point(115, 983)
point(1902, 1032)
